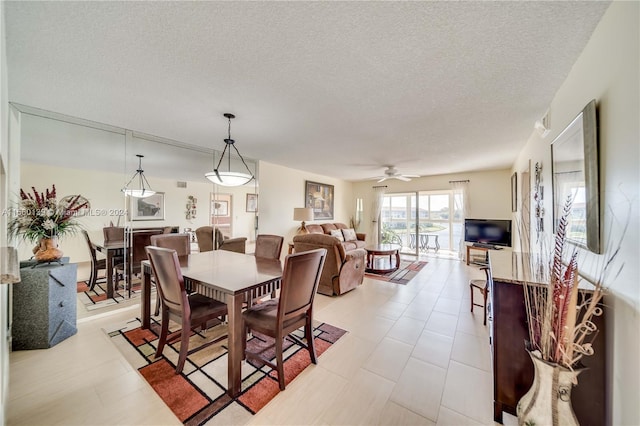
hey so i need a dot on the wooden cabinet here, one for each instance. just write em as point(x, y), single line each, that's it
point(44, 305)
point(512, 367)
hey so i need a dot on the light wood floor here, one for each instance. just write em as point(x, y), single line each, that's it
point(414, 355)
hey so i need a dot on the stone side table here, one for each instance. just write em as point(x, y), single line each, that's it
point(44, 305)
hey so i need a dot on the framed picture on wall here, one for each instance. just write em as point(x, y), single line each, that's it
point(319, 196)
point(220, 208)
point(252, 203)
point(149, 208)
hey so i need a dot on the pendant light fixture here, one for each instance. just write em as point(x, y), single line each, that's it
point(229, 178)
point(144, 189)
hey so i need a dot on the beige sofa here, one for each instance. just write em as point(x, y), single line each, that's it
point(343, 269)
point(327, 228)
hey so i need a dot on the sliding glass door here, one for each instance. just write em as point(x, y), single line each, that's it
point(422, 222)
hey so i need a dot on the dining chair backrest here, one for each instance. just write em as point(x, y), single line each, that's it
point(92, 249)
point(139, 240)
point(178, 242)
point(204, 234)
point(166, 269)
point(113, 233)
point(269, 246)
point(300, 279)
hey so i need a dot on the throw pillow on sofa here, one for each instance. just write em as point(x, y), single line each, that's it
point(338, 234)
point(349, 234)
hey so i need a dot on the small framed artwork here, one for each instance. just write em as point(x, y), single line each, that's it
point(319, 196)
point(252, 203)
point(220, 208)
point(149, 208)
point(514, 192)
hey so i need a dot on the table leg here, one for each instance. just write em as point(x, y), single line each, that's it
point(110, 285)
point(468, 249)
point(397, 259)
point(145, 302)
point(236, 334)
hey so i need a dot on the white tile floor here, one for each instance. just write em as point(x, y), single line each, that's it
point(414, 355)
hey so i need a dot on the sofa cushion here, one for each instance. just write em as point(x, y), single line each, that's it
point(349, 245)
point(338, 234)
point(339, 225)
point(328, 227)
point(349, 234)
point(315, 229)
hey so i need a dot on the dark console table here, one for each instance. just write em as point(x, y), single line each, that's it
point(512, 368)
point(44, 305)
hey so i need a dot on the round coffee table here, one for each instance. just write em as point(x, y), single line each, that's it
point(382, 266)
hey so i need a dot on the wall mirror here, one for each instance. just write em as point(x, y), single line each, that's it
point(574, 155)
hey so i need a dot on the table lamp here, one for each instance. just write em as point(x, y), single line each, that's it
point(302, 213)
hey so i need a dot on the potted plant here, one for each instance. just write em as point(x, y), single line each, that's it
point(41, 219)
point(561, 332)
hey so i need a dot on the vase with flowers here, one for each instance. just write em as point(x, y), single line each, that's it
point(41, 219)
point(561, 331)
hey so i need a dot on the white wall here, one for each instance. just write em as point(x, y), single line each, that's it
point(608, 70)
point(489, 193)
point(282, 189)
point(103, 191)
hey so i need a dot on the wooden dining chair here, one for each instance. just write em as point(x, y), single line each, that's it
point(277, 318)
point(96, 264)
point(113, 233)
point(178, 242)
point(483, 287)
point(139, 239)
point(269, 246)
point(191, 311)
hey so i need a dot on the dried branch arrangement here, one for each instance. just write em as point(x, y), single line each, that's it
point(560, 318)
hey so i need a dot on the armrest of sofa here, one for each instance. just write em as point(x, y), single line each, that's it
point(361, 236)
point(351, 273)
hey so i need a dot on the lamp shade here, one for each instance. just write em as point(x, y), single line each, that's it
point(303, 213)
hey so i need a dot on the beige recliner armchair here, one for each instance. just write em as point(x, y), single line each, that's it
point(343, 270)
point(207, 242)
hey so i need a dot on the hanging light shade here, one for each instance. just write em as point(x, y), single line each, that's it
point(229, 178)
point(144, 189)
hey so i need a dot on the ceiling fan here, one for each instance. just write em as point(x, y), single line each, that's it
point(392, 173)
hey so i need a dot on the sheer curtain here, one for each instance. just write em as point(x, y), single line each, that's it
point(378, 192)
point(461, 204)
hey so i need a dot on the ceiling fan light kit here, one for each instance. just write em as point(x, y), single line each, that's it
point(392, 173)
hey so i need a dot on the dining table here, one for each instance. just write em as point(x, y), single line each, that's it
point(111, 249)
point(229, 277)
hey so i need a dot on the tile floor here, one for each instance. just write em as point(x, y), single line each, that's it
point(414, 355)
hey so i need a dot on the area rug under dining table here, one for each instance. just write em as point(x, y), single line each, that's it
point(199, 393)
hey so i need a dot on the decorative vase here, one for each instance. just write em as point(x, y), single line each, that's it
point(548, 402)
point(48, 250)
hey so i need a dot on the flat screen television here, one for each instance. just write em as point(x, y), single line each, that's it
point(495, 232)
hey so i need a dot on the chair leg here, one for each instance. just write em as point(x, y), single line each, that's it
point(184, 348)
point(484, 293)
point(164, 330)
point(93, 276)
point(279, 363)
point(471, 289)
point(311, 347)
point(157, 304)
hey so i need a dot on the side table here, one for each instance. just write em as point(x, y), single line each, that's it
point(44, 305)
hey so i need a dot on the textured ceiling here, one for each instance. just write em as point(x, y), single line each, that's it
point(336, 88)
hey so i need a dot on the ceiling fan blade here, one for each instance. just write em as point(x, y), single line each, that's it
point(411, 176)
point(383, 179)
point(402, 178)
